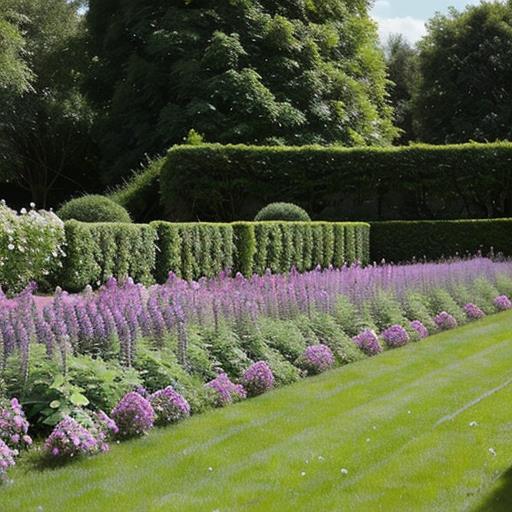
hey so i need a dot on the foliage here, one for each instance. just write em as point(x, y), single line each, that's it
point(15, 74)
point(133, 415)
point(96, 252)
point(140, 192)
point(30, 246)
point(282, 212)
point(402, 241)
point(46, 147)
point(93, 208)
point(465, 64)
point(265, 72)
point(403, 73)
point(224, 183)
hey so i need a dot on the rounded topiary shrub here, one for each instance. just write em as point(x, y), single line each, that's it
point(93, 208)
point(284, 212)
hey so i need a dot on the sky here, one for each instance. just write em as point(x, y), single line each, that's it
point(408, 17)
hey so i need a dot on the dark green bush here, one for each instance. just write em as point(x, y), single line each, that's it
point(140, 195)
point(283, 212)
point(215, 182)
point(93, 209)
point(96, 252)
point(431, 240)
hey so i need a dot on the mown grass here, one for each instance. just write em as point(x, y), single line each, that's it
point(394, 433)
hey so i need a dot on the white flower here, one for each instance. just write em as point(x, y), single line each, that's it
point(344, 471)
point(473, 424)
point(303, 473)
point(32, 205)
point(492, 451)
point(10, 247)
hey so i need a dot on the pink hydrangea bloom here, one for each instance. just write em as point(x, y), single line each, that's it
point(368, 342)
point(258, 379)
point(14, 425)
point(134, 415)
point(7, 457)
point(420, 329)
point(473, 312)
point(226, 392)
point(445, 321)
point(169, 406)
point(396, 336)
point(70, 439)
point(317, 359)
point(502, 303)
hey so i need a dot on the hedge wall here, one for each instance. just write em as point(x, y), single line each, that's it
point(192, 251)
point(215, 182)
point(94, 252)
point(405, 241)
point(195, 250)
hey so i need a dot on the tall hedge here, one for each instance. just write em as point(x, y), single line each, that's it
point(95, 252)
point(199, 249)
point(216, 182)
point(405, 241)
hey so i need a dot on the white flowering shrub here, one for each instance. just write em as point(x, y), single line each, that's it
point(31, 246)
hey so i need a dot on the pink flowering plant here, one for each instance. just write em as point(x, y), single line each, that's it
point(420, 329)
point(396, 336)
point(226, 392)
point(445, 321)
point(317, 359)
point(502, 303)
point(14, 425)
point(133, 415)
point(473, 312)
point(69, 439)
point(258, 379)
point(169, 406)
point(368, 342)
point(7, 458)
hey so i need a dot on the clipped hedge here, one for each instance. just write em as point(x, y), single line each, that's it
point(95, 252)
point(216, 182)
point(196, 250)
point(193, 250)
point(404, 241)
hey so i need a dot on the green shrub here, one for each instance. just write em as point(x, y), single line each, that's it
point(404, 241)
point(141, 195)
point(215, 182)
point(93, 208)
point(282, 212)
point(193, 250)
point(30, 247)
point(96, 252)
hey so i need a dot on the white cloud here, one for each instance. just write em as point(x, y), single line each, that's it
point(413, 29)
point(382, 4)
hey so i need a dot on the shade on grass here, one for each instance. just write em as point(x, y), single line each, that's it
point(425, 427)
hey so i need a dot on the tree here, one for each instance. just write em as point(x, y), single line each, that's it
point(45, 142)
point(402, 64)
point(466, 70)
point(15, 74)
point(266, 72)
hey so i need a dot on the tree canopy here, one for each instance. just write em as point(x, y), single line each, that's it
point(267, 71)
point(466, 75)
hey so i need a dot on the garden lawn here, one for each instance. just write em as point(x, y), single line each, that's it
point(391, 433)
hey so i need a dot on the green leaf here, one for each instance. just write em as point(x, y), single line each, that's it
point(55, 404)
point(78, 399)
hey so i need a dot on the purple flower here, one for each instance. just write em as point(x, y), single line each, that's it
point(70, 439)
point(226, 392)
point(169, 406)
point(6, 458)
point(133, 415)
point(368, 342)
point(502, 303)
point(473, 312)
point(14, 425)
point(106, 423)
point(396, 336)
point(420, 329)
point(317, 359)
point(445, 321)
point(258, 379)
